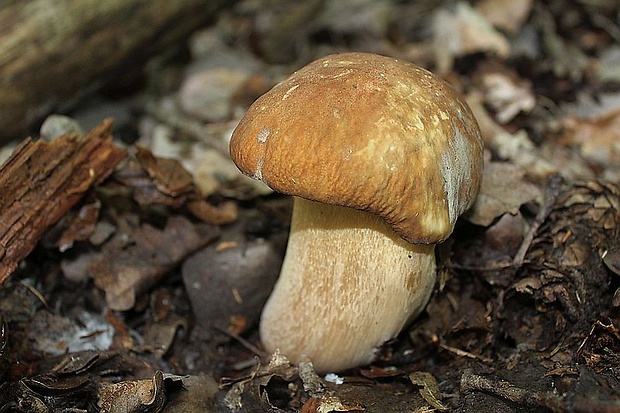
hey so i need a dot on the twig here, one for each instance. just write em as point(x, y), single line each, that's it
point(473, 383)
point(552, 190)
point(36, 293)
point(532, 399)
point(245, 343)
point(494, 266)
point(463, 353)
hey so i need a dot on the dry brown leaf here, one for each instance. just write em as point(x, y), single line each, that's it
point(225, 213)
point(566, 161)
point(133, 396)
point(328, 404)
point(164, 181)
point(123, 271)
point(134, 177)
point(565, 55)
point(503, 190)
point(81, 226)
point(505, 92)
point(603, 342)
point(429, 389)
point(507, 15)
point(538, 162)
point(159, 335)
point(516, 147)
point(502, 239)
point(168, 174)
point(247, 390)
point(598, 138)
point(464, 31)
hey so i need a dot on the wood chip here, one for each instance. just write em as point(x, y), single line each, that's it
point(41, 181)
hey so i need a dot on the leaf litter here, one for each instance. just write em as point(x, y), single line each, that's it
point(127, 300)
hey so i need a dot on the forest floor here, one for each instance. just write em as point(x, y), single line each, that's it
point(144, 291)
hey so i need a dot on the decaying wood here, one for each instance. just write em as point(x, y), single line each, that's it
point(51, 51)
point(41, 181)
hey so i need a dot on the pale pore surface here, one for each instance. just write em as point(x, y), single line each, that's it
point(348, 284)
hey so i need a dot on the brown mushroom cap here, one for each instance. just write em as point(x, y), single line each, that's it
point(368, 132)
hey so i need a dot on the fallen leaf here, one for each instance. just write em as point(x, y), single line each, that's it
point(602, 343)
point(168, 183)
point(159, 335)
point(567, 58)
point(503, 238)
point(133, 178)
point(199, 395)
point(516, 147)
point(329, 404)
point(313, 384)
point(429, 389)
point(168, 174)
point(503, 190)
point(123, 271)
point(464, 31)
point(562, 274)
point(81, 225)
point(133, 396)
point(598, 137)
point(250, 390)
point(504, 91)
point(378, 372)
point(507, 15)
point(225, 213)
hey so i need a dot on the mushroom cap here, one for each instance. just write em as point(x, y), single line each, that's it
point(368, 132)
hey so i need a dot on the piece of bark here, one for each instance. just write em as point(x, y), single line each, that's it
point(41, 181)
point(54, 51)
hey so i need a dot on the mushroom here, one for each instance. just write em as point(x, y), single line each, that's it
point(381, 157)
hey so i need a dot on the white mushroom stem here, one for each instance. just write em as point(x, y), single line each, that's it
point(348, 284)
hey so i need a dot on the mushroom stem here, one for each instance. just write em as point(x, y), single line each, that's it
point(348, 284)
